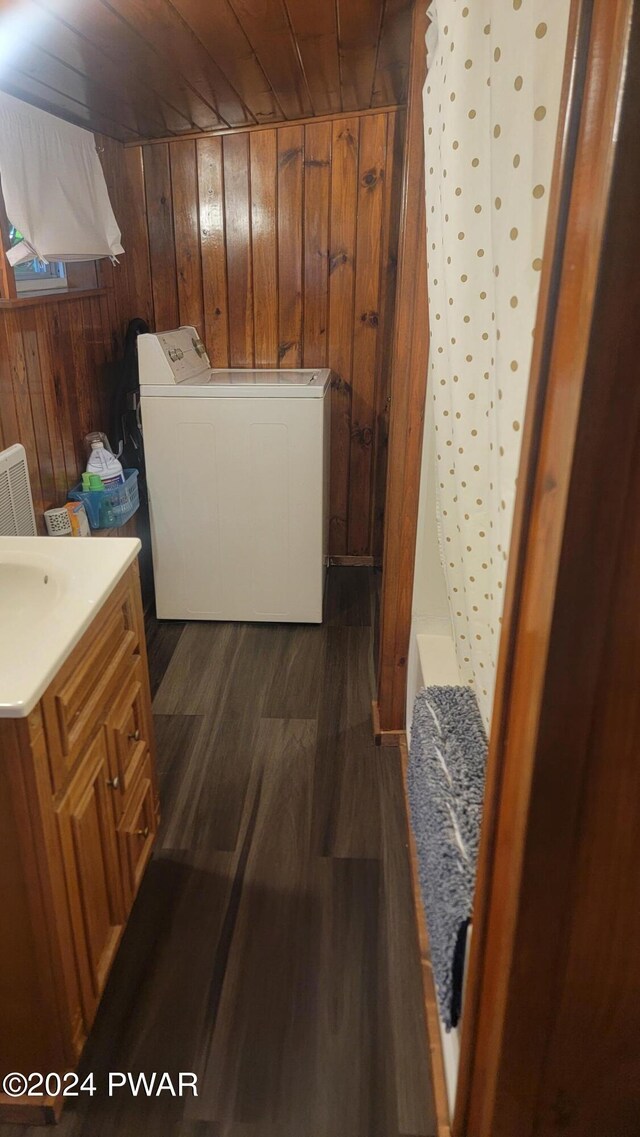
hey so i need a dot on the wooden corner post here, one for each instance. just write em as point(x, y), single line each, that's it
point(408, 392)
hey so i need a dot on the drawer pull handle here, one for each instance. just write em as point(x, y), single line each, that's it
point(113, 783)
point(135, 737)
point(143, 832)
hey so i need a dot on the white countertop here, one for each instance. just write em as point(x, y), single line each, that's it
point(51, 588)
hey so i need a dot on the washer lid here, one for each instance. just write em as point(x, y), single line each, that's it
point(253, 383)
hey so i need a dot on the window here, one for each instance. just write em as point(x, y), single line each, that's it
point(35, 275)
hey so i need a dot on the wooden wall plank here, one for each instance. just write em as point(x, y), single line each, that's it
point(186, 228)
point(59, 395)
point(30, 90)
point(370, 209)
point(392, 62)
point(132, 218)
point(22, 398)
point(359, 24)
point(8, 412)
point(213, 250)
point(88, 402)
point(239, 268)
point(97, 340)
point(316, 31)
point(162, 253)
point(108, 330)
point(317, 189)
point(61, 41)
point(226, 42)
point(106, 31)
point(264, 241)
point(111, 299)
point(388, 272)
point(159, 25)
point(290, 213)
point(115, 276)
point(267, 29)
point(42, 432)
point(82, 89)
point(342, 248)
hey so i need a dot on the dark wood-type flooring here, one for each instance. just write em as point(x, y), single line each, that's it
point(271, 949)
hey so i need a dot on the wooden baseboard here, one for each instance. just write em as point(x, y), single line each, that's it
point(384, 737)
point(432, 1018)
point(30, 1111)
point(355, 562)
point(375, 721)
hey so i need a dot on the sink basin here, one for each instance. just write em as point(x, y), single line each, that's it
point(29, 589)
point(50, 590)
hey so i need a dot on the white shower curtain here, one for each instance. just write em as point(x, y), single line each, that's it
point(491, 105)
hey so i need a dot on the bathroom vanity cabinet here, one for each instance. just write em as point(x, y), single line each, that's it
point(78, 816)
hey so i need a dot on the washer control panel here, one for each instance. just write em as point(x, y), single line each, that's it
point(171, 357)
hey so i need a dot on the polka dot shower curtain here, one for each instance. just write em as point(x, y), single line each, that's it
point(491, 105)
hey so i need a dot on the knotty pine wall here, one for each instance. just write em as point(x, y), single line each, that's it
point(280, 246)
point(53, 388)
point(55, 351)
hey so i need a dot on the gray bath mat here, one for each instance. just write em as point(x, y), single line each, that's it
point(446, 776)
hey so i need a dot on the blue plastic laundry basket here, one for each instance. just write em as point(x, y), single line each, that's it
point(112, 506)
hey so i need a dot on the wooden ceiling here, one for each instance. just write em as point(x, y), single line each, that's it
point(135, 69)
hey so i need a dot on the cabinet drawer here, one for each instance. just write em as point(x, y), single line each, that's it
point(91, 677)
point(130, 732)
point(137, 830)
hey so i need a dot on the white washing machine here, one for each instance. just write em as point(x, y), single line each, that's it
point(238, 475)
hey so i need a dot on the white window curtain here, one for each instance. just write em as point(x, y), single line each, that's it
point(491, 106)
point(54, 188)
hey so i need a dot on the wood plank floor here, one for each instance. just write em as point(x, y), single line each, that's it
point(271, 949)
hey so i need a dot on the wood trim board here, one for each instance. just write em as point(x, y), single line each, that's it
point(253, 126)
point(384, 737)
point(36, 300)
point(408, 392)
point(432, 1024)
point(564, 160)
point(354, 562)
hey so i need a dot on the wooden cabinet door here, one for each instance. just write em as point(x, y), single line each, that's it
point(137, 831)
point(90, 856)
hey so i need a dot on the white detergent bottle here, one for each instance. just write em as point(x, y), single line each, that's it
point(105, 464)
